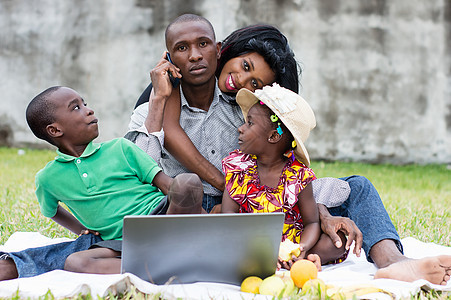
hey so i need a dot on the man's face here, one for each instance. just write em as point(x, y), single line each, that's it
point(73, 117)
point(193, 49)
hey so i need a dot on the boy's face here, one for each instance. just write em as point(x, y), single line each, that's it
point(75, 121)
point(193, 49)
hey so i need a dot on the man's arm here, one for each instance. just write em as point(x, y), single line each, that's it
point(182, 148)
point(331, 225)
point(145, 128)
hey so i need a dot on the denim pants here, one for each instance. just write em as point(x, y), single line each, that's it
point(364, 206)
point(36, 261)
point(209, 201)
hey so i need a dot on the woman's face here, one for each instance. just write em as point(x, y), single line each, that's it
point(249, 71)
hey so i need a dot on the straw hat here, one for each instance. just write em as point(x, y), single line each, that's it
point(292, 110)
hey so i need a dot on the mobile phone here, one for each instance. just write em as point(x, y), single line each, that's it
point(174, 80)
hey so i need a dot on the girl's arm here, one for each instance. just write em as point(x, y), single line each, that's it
point(228, 205)
point(67, 220)
point(310, 218)
point(182, 148)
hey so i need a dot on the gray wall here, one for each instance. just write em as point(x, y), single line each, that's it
point(377, 73)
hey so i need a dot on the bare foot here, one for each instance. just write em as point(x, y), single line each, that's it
point(8, 269)
point(436, 270)
point(315, 259)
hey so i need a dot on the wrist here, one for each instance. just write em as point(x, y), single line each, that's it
point(323, 212)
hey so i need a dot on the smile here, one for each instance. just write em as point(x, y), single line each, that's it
point(230, 84)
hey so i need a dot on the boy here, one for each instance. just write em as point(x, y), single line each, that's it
point(100, 183)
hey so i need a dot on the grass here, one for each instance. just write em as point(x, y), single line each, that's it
point(417, 198)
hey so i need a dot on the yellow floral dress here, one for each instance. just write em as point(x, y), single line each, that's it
point(243, 185)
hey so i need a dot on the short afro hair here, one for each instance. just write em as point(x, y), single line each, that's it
point(188, 18)
point(40, 113)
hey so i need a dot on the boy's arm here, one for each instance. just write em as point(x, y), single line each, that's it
point(162, 181)
point(182, 148)
point(67, 220)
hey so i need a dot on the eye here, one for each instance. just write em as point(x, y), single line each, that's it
point(254, 83)
point(203, 44)
point(246, 66)
point(76, 107)
point(181, 48)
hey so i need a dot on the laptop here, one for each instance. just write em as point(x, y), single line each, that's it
point(223, 248)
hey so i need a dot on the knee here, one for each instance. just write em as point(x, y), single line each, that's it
point(76, 262)
point(358, 182)
point(186, 184)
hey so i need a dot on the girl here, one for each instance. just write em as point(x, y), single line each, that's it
point(270, 172)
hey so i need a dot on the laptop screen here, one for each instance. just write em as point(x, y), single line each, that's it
point(222, 248)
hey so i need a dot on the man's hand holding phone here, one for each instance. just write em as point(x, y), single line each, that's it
point(161, 91)
point(161, 77)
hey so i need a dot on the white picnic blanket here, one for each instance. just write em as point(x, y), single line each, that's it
point(354, 270)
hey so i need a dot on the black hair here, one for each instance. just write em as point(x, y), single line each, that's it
point(189, 18)
point(270, 43)
point(40, 113)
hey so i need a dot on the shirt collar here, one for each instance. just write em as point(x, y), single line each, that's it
point(90, 149)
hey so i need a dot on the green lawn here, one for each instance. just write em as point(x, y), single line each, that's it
point(418, 198)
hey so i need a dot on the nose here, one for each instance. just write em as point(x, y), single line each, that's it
point(89, 111)
point(195, 54)
point(241, 129)
point(244, 81)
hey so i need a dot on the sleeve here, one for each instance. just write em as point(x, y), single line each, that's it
point(151, 143)
point(47, 202)
point(236, 162)
point(330, 192)
point(143, 165)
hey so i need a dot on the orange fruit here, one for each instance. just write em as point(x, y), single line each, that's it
point(303, 270)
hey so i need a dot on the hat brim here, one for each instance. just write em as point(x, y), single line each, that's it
point(246, 99)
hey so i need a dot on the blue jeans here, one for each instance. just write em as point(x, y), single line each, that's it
point(36, 261)
point(364, 206)
point(209, 201)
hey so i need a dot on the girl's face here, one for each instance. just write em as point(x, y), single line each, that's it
point(249, 71)
point(254, 134)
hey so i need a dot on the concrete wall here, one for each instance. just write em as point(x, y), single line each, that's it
point(377, 73)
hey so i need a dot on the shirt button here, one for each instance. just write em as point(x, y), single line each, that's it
point(85, 175)
point(213, 151)
point(78, 161)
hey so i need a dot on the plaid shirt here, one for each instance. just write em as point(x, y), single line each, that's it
point(213, 132)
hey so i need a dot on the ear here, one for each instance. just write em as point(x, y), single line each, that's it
point(218, 49)
point(54, 130)
point(274, 137)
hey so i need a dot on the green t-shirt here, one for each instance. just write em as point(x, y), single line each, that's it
point(107, 182)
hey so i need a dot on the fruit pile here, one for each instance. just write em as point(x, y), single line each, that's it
point(301, 279)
